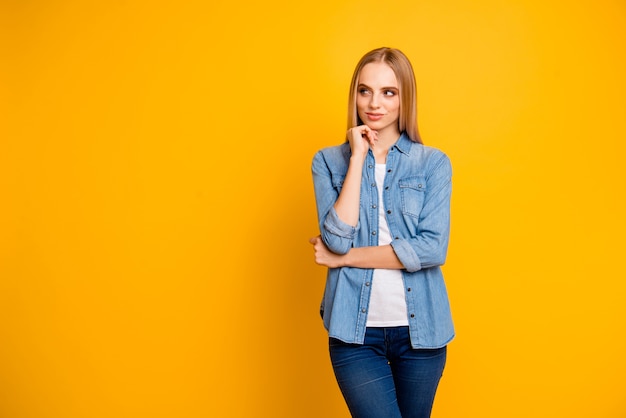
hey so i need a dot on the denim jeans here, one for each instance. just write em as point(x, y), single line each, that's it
point(386, 378)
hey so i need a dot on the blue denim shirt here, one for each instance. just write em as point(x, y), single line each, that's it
point(416, 196)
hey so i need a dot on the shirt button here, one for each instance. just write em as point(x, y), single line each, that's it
point(397, 238)
point(387, 188)
point(419, 186)
point(389, 212)
point(389, 171)
point(412, 315)
point(367, 283)
point(363, 310)
point(374, 206)
point(373, 232)
point(409, 289)
point(370, 166)
point(374, 185)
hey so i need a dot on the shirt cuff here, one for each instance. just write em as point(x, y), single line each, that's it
point(336, 226)
point(406, 255)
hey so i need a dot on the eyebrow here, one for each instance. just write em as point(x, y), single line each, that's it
point(382, 88)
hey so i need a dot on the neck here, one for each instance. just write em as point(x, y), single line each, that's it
point(382, 145)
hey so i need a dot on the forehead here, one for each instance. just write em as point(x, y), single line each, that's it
point(378, 74)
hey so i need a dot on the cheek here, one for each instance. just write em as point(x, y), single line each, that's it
point(396, 106)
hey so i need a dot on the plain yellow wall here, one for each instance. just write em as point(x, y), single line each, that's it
point(156, 202)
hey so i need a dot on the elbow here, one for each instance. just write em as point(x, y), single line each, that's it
point(428, 262)
point(336, 234)
point(336, 244)
point(437, 258)
point(439, 261)
point(416, 257)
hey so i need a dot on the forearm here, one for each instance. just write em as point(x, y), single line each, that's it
point(383, 257)
point(347, 204)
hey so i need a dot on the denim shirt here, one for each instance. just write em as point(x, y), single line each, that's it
point(416, 197)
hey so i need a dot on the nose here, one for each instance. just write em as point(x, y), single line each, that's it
point(374, 101)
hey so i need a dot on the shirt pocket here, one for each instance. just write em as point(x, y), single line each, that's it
point(412, 192)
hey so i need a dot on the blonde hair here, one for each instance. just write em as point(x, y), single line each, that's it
point(403, 70)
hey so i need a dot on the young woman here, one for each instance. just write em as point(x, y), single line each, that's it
point(383, 203)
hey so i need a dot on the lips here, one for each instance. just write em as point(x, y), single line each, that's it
point(374, 116)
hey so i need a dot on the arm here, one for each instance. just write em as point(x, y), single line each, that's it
point(334, 206)
point(347, 204)
point(327, 170)
point(382, 256)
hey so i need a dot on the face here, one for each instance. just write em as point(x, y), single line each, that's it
point(378, 98)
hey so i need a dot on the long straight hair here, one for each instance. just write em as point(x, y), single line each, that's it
point(403, 70)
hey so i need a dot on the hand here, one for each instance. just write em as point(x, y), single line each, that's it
point(323, 256)
point(361, 138)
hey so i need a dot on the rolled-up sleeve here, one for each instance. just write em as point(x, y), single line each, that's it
point(336, 234)
point(406, 254)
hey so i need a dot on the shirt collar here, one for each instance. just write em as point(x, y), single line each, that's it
point(404, 144)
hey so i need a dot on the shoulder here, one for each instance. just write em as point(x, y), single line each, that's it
point(335, 150)
point(419, 152)
point(426, 152)
point(429, 160)
point(334, 156)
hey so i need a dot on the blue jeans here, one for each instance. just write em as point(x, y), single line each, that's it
point(386, 378)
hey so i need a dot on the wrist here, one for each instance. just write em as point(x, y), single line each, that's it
point(357, 159)
point(347, 259)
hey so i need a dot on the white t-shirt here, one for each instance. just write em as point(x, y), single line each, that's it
point(387, 307)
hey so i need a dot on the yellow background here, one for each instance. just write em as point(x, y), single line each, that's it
point(156, 202)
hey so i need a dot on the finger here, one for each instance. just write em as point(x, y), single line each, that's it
point(368, 133)
point(314, 240)
point(357, 131)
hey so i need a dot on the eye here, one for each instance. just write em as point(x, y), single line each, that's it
point(389, 93)
point(364, 92)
